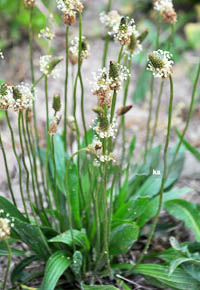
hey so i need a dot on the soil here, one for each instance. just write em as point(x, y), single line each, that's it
point(15, 68)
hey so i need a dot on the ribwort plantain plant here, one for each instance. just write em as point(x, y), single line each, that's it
point(84, 208)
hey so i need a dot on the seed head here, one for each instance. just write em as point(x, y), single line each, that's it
point(123, 110)
point(54, 125)
point(160, 63)
point(74, 50)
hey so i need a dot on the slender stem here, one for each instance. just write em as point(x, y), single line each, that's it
point(81, 80)
point(114, 99)
point(149, 118)
point(170, 40)
point(188, 117)
point(123, 116)
point(37, 81)
point(19, 164)
point(66, 84)
point(47, 101)
point(120, 54)
point(7, 171)
point(158, 31)
point(164, 177)
point(31, 44)
point(106, 45)
point(30, 161)
point(157, 114)
point(23, 160)
point(8, 264)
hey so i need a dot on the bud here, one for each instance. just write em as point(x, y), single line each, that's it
point(53, 63)
point(156, 61)
point(98, 110)
point(123, 25)
point(114, 70)
point(71, 123)
point(123, 110)
point(56, 103)
point(133, 43)
point(29, 3)
point(143, 35)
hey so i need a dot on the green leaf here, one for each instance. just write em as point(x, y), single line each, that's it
point(56, 266)
point(17, 273)
point(122, 284)
point(74, 193)
point(152, 206)
point(102, 287)
point(132, 209)
point(178, 280)
point(9, 208)
point(186, 212)
point(192, 149)
point(193, 270)
point(123, 237)
point(77, 263)
point(33, 237)
point(176, 262)
point(80, 238)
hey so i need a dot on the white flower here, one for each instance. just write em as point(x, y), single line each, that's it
point(48, 65)
point(160, 63)
point(134, 47)
point(111, 20)
point(74, 50)
point(46, 34)
point(101, 80)
point(1, 54)
point(23, 97)
point(5, 228)
point(121, 74)
point(6, 97)
point(108, 132)
point(107, 158)
point(68, 6)
point(163, 5)
point(123, 30)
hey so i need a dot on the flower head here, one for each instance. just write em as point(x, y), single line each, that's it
point(117, 74)
point(5, 228)
point(1, 54)
point(48, 65)
point(103, 129)
point(166, 8)
point(23, 97)
point(111, 20)
point(46, 34)
point(134, 46)
point(29, 3)
point(69, 8)
point(54, 125)
point(6, 97)
point(123, 31)
point(160, 63)
point(74, 50)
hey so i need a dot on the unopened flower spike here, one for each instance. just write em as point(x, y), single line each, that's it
point(117, 74)
point(74, 50)
point(103, 129)
point(48, 65)
point(166, 8)
point(160, 63)
point(142, 36)
point(123, 110)
point(56, 103)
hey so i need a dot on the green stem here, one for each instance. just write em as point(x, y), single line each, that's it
point(188, 117)
point(158, 32)
point(8, 265)
point(30, 161)
point(114, 99)
point(7, 171)
point(149, 119)
point(81, 80)
point(47, 102)
point(23, 159)
point(37, 81)
point(157, 114)
point(170, 41)
point(66, 84)
point(106, 45)
point(164, 177)
point(19, 164)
